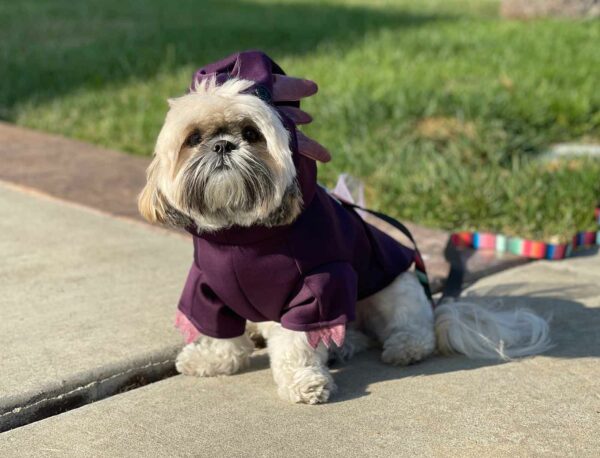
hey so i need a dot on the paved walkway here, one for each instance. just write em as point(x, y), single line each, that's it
point(543, 406)
point(87, 304)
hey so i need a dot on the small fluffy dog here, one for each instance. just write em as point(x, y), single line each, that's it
point(276, 257)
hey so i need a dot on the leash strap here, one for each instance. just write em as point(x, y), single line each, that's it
point(484, 240)
point(533, 249)
point(420, 269)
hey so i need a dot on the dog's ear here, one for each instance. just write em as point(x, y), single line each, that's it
point(151, 202)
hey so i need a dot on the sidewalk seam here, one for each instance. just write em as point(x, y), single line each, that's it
point(20, 409)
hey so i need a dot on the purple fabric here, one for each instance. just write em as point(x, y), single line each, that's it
point(249, 65)
point(307, 275)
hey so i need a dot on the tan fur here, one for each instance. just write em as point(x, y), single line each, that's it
point(208, 109)
point(151, 203)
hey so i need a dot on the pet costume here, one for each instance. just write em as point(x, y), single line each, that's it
point(307, 275)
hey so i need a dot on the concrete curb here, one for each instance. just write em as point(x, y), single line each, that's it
point(84, 389)
point(79, 323)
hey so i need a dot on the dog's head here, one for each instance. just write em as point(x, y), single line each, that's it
point(224, 158)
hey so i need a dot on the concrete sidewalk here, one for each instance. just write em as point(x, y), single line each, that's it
point(87, 304)
point(543, 406)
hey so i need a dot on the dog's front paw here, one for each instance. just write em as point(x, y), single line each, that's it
point(307, 385)
point(208, 357)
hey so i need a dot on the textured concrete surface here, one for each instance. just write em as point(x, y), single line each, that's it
point(110, 181)
point(86, 306)
point(548, 405)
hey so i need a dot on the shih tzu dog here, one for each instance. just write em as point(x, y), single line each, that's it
point(277, 257)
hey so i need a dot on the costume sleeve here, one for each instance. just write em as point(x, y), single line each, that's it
point(203, 309)
point(326, 298)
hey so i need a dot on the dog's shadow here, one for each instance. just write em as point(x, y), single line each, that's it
point(575, 333)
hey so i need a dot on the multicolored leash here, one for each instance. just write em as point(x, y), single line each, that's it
point(484, 240)
point(476, 240)
point(533, 249)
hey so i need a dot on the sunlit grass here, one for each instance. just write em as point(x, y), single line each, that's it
point(439, 106)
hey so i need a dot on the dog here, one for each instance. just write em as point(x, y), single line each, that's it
point(278, 258)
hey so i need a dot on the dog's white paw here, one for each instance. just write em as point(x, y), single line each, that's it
point(403, 348)
point(307, 385)
point(208, 357)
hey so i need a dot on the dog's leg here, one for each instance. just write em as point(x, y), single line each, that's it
point(208, 357)
point(401, 318)
point(299, 370)
point(257, 334)
point(354, 342)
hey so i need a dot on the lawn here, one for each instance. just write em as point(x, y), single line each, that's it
point(441, 107)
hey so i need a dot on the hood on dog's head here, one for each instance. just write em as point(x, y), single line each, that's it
point(272, 86)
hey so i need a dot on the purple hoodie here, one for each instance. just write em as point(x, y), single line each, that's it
point(306, 275)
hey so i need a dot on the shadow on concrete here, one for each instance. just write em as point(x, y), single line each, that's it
point(575, 334)
point(49, 49)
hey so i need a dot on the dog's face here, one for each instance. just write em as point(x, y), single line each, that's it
point(222, 158)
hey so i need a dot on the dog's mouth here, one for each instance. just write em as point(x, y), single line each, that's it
point(222, 164)
point(214, 185)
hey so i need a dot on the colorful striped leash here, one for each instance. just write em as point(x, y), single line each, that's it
point(532, 249)
point(484, 240)
point(477, 240)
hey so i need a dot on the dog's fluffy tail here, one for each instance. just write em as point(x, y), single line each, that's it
point(481, 332)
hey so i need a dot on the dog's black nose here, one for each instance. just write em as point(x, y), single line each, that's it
point(223, 147)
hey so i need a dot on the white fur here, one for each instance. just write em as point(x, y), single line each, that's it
point(299, 370)
point(208, 357)
point(401, 318)
point(490, 333)
point(209, 99)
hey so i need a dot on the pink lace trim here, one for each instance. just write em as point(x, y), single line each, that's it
point(334, 333)
point(185, 326)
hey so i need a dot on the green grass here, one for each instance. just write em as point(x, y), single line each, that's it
point(440, 106)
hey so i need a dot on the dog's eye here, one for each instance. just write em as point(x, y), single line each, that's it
point(194, 138)
point(250, 134)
